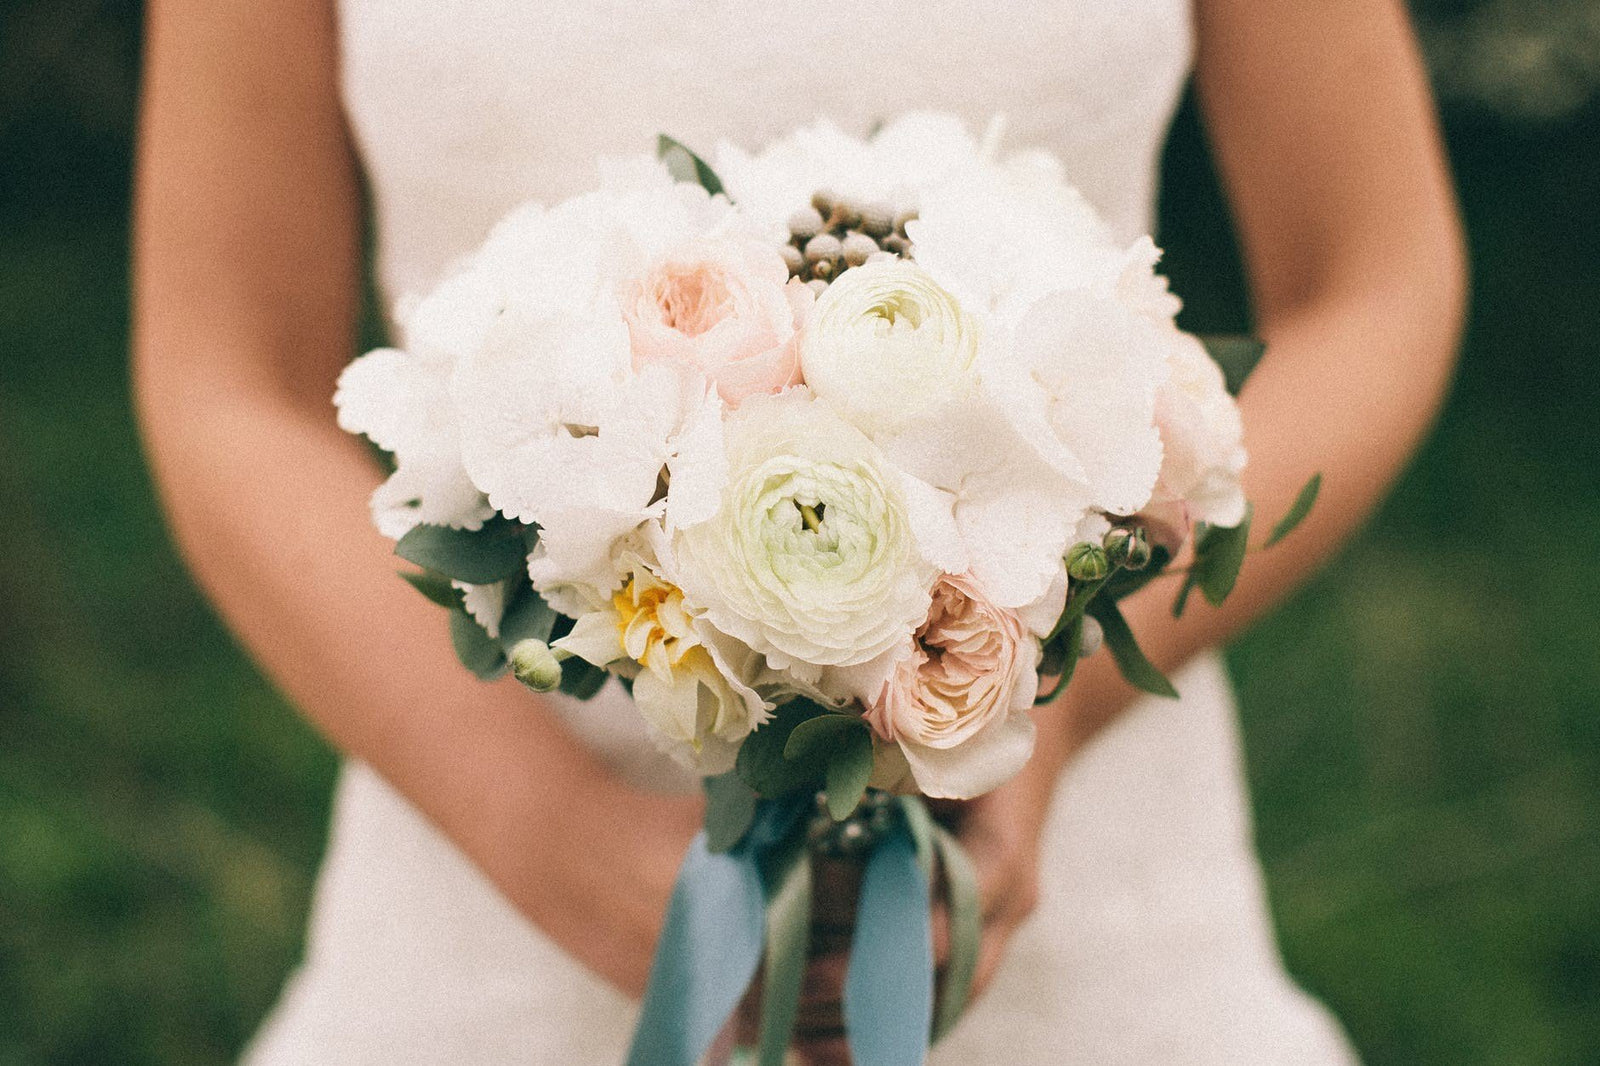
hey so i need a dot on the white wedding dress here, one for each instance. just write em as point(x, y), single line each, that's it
point(1152, 944)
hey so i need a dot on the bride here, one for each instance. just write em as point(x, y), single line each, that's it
point(499, 862)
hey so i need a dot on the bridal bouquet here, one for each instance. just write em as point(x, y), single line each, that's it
point(830, 453)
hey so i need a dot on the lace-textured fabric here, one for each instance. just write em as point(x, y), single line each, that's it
point(1151, 945)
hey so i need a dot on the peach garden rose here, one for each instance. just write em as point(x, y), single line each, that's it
point(957, 704)
point(724, 307)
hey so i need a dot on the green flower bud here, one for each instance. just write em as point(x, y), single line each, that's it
point(1087, 562)
point(535, 664)
point(823, 200)
point(846, 214)
point(1128, 548)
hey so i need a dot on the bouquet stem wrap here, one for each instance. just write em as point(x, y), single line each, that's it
point(730, 909)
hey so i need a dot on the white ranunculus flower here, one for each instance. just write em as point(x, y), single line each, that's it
point(886, 346)
point(809, 557)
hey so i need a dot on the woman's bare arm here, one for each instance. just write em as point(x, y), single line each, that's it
point(1324, 133)
point(1323, 129)
point(247, 260)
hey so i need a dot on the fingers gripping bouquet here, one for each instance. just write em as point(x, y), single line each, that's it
point(830, 453)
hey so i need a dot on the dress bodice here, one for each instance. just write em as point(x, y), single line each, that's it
point(464, 108)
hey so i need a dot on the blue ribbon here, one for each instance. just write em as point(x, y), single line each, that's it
point(888, 988)
point(711, 944)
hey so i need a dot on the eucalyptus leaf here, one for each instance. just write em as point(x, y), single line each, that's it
point(1303, 502)
point(730, 808)
point(477, 557)
point(1140, 672)
point(582, 680)
point(477, 650)
point(761, 763)
point(528, 616)
point(1218, 557)
point(966, 931)
point(1070, 642)
point(1236, 355)
point(433, 585)
point(849, 770)
point(684, 165)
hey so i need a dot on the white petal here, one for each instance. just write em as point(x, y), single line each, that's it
point(931, 512)
point(485, 603)
point(595, 638)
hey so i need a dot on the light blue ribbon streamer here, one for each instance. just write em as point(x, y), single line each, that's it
point(888, 989)
point(710, 944)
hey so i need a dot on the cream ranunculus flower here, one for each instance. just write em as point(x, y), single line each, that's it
point(885, 346)
point(958, 703)
point(684, 681)
point(807, 555)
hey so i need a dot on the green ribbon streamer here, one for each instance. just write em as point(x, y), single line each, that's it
point(788, 941)
point(966, 931)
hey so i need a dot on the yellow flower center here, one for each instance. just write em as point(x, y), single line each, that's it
point(655, 629)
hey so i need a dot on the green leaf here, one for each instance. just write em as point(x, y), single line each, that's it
point(684, 165)
point(842, 744)
point(1070, 642)
point(582, 680)
point(1301, 507)
point(477, 651)
point(433, 585)
point(730, 808)
point(1079, 598)
point(1140, 671)
point(761, 763)
point(1218, 557)
point(527, 616)
point(788, 943)
point(478, 557)
point(849, 770)
point(1236, 355)
point(966, 931)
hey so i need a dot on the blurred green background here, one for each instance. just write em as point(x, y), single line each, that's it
point(1421, 722)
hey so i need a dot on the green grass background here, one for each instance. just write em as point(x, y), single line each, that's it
point(1420, 722)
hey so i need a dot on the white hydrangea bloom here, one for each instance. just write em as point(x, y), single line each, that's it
point(1203, 437)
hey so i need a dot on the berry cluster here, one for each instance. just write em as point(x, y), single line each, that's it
point(834, 233)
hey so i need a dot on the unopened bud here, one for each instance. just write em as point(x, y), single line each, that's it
point(792, 258)
point(824, 247)
point(877, 219)
point(1087, 562)
point(817, 286)
point(858, 248)
point(1092, 637)
point(535, 665)
point(805, 223)
point(823, 200)
point(1127, 548)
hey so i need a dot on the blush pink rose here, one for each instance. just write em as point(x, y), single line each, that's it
point(726, 308)
point(957, 705)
